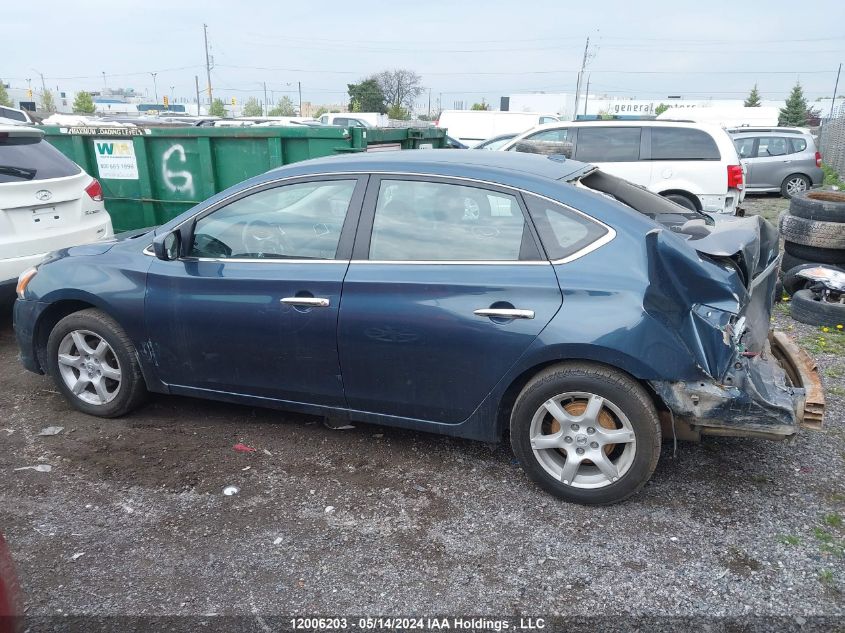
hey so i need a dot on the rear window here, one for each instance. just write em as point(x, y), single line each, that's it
point(15, 115)
point(798, 145)
point(31, 158)
point(680, 143)
point(608, 144)
point(562, 231)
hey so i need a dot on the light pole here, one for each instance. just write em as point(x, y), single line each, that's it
point(155, 86)
point(105, 86)
point(172, 94)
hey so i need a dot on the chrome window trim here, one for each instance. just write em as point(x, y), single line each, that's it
point(589, 248)
point(454, 262)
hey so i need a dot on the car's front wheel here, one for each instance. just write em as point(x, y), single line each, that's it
point(94, 364)
point(586, 433)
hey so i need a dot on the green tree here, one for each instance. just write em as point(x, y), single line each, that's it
point(480, 106)
point(217, 108)
point(399, 113)
point(366, 96)
point(320, 112)
point(4, 96)
point(252, 107)
point(794, 112)
point(285, 107)
point(660, 109)
point(83, 103)
point(753, 100)
point(400, 87)
point(48, 104)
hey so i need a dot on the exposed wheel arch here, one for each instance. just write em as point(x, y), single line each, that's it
point(48, 320)
point(677, 194)
point(508, 399)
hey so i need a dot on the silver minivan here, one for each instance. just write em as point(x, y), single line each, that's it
point(783, 159)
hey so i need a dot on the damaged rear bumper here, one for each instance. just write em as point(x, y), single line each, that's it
point(767, 395)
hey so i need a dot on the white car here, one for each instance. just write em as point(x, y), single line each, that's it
point(693, 164)
point(472, 127)
point(47, 202)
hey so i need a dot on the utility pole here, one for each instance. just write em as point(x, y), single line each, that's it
point(197, 81)
point(299, 87)
point(587, 94)
point(207, 60)
point(835, 88)
point(105, 87)
point(266, 105)
point(580, 75)
point(155, 86)
point(429, 104)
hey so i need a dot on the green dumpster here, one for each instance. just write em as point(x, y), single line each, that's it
point(150, 176)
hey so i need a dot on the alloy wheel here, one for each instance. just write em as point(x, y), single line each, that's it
point(583, 440)
point(796, 185)
point(89, 367)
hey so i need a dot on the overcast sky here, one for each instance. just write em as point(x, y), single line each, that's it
point(464, 50)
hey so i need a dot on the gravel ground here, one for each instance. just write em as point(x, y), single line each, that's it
point(132, 519)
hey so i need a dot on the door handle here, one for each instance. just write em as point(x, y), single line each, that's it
point(505, 313)
point(309, 302)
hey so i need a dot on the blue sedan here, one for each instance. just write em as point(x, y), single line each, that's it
point(475, 294)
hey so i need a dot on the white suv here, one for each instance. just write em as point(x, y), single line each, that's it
point(47, 202)
point(693, 164)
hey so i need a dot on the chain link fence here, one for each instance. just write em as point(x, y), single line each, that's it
point(832, 140)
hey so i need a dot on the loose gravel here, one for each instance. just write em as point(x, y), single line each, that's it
point(133, 518)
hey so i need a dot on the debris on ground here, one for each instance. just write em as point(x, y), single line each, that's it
point(231, 490)
point(243, 448)
point(51, 430)
point(41, 468)
point(77, 556)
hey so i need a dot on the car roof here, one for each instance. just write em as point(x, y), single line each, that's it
point(19, 130)
point(739, 132)
point(508, 168)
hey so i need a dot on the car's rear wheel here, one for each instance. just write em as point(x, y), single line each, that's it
point(586, 433)
point(793, 185)
point(682, 200)
point(94, 364)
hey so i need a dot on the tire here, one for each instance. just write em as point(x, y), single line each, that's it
point(825, 206)
point(812, 232)
point(623, 405)
point(682, 200)
point(815, 255)
point(792, 283)
point(788, 262)
point(806, 309)
point(108, 376)
point(793, 185)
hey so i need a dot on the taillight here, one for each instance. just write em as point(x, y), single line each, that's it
point(95, 190)
point(735, 177)
point(818, 159)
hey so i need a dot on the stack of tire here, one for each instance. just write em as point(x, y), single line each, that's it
point(813, 230)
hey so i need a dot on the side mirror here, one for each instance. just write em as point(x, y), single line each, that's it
point(167, 246)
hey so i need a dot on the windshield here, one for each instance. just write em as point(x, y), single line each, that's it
point(32, 158)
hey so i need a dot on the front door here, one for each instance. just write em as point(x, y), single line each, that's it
point(447, 288)
point(252, 306)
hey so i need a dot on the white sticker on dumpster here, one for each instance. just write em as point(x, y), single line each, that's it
point(116, 159)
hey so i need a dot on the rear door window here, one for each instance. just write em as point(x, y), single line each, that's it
point(680, 143)
point(608, 144)
point(32, 158)
point(547, 142)
point(772, 146)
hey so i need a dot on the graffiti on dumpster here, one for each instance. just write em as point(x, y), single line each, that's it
point(181, 181)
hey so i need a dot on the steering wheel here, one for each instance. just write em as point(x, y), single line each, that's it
point(262, 238)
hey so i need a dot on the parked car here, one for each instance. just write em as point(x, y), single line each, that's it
point(781, 160)
point(497, 142)
point(474, 126)
point(482, 293)
point(13, 116)
point(355, 119)
point(47, 202)
point(693, 164)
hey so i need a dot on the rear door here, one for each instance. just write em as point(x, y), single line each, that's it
point(770, 163)
point(446, 289)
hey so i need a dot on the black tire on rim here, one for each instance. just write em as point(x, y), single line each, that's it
point(793, 185)
point(586, 433)
point(827, 206)
point(682, 200)
point(788, 262)
point(94, 364)
point(814, 254)
point(807, 308)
